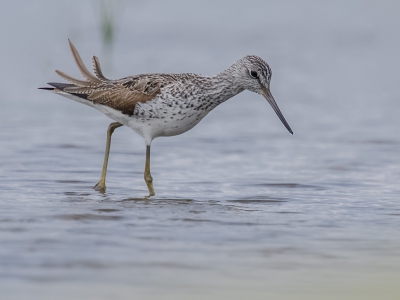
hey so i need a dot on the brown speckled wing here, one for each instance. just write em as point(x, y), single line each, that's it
point(116, 95)
point(122, 94)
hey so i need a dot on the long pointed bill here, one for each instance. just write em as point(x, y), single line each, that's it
point(267, 95)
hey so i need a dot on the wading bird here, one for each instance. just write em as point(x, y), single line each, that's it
point(156, 105)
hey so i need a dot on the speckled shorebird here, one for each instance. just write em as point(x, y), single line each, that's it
point(157, 105)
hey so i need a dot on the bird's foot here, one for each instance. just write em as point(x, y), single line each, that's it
point(150, 195)
point(100, 187)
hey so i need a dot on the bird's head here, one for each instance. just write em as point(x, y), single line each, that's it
point(254, 74)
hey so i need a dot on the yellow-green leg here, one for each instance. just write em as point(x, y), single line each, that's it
point(101, 185)
point(147, 174)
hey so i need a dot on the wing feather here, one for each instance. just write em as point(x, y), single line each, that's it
point(73, 80)
point(119, 97)
point(85, 72)
point(97, 69)
point(122, 94)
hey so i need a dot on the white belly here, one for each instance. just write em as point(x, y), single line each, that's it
point(162, 121)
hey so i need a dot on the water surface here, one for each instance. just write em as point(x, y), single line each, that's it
point(243, 209)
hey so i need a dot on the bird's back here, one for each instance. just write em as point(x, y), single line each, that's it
point(151, 104)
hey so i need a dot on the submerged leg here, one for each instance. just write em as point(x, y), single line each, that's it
point(147, 175)
point(101, 185)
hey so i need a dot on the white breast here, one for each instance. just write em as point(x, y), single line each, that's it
point(157, 118)
point(153, 118)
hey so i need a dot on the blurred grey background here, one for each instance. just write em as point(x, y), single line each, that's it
point(243, 209)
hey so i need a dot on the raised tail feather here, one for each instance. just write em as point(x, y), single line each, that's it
point(91, 80)
point(85, 72)
point(97, 69)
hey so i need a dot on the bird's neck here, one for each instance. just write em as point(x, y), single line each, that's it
point(219, 88)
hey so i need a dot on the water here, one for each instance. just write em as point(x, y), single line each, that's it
point(243, 209)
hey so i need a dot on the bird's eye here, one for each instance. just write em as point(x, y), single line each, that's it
point(254, 74)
